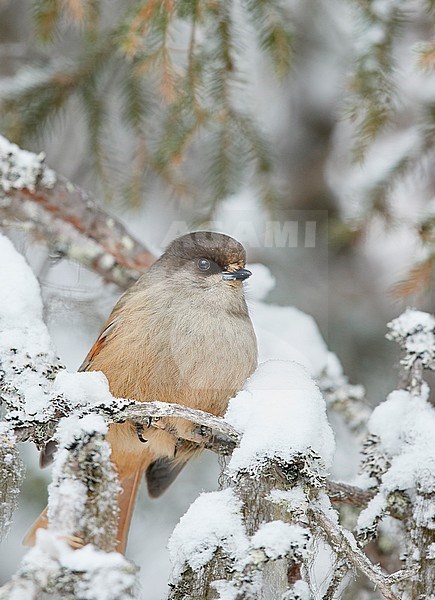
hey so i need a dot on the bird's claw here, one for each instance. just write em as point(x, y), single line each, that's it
point(202, 431)
point(74, 541)
point(152, 422)
point(139, 432)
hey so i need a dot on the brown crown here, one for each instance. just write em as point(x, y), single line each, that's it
point(222, 249)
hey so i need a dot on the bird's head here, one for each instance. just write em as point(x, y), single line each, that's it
point(207, 259)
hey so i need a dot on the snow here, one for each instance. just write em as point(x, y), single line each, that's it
point(261, 283)
point(27, 356)
point(74, 426)
point(300, 591)
point(104, 576)
point(287, 333)
point(280, 412)
point(431, 552)
point(83, 388)
point(20, 169)
point(213, 521)
point(415, 331)
point(20, 299)
point(405, 426)
point(67, 500)
point(68, 496)
point(277, 539)
point(294, 499)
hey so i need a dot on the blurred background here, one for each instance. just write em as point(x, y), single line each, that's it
point(303, 128)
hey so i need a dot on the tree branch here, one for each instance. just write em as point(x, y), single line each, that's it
point(65, 217)
point(211, 432)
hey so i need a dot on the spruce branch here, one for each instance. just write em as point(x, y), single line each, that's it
point(275, 36)
point(190, 90)
point(46, 14)
point(36, 95)
point(372, 85)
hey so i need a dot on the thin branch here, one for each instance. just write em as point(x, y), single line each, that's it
point(402, 574)
point(343, 493)
point(340, 573)
point(64, 241)
point(344, 544)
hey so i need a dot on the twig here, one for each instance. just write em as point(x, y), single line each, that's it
point(212, 432)
point(64, 241)
point(69, 204)
point(340, 573)
point(348, 494)
point(402, 574)
point(344, 544)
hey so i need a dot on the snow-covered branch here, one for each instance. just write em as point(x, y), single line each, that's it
point(11, 474)
point(66, 218)
point(399, 454)
point(83, 493)
point(53, 569)
point(82, 515)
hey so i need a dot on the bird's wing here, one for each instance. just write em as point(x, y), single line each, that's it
point(111, 324)
point(48, 451)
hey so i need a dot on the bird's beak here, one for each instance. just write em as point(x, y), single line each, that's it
point(239, 275)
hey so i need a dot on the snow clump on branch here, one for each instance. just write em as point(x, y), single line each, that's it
point(281, 413)
point(20, 169)
point(213, 521)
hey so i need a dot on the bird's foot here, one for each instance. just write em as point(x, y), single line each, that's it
point(139, 431)
point(156, 422)
point(74, 541)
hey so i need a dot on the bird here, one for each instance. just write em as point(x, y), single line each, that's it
point(181, 334)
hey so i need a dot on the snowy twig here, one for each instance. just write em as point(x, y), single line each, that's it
point(65, 217)
point(11, 474)
point(345, 545)
point(403, 471)
point(52, 569)
point(343, 493)
point(214, 433)
point(407, 573)
point(294, 542)
point(82, 513)
point(340, 573)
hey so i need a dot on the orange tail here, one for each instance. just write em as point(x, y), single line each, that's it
point(40, 523)
point(130, 486)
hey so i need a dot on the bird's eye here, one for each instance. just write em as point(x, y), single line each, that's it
point(203, 264)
